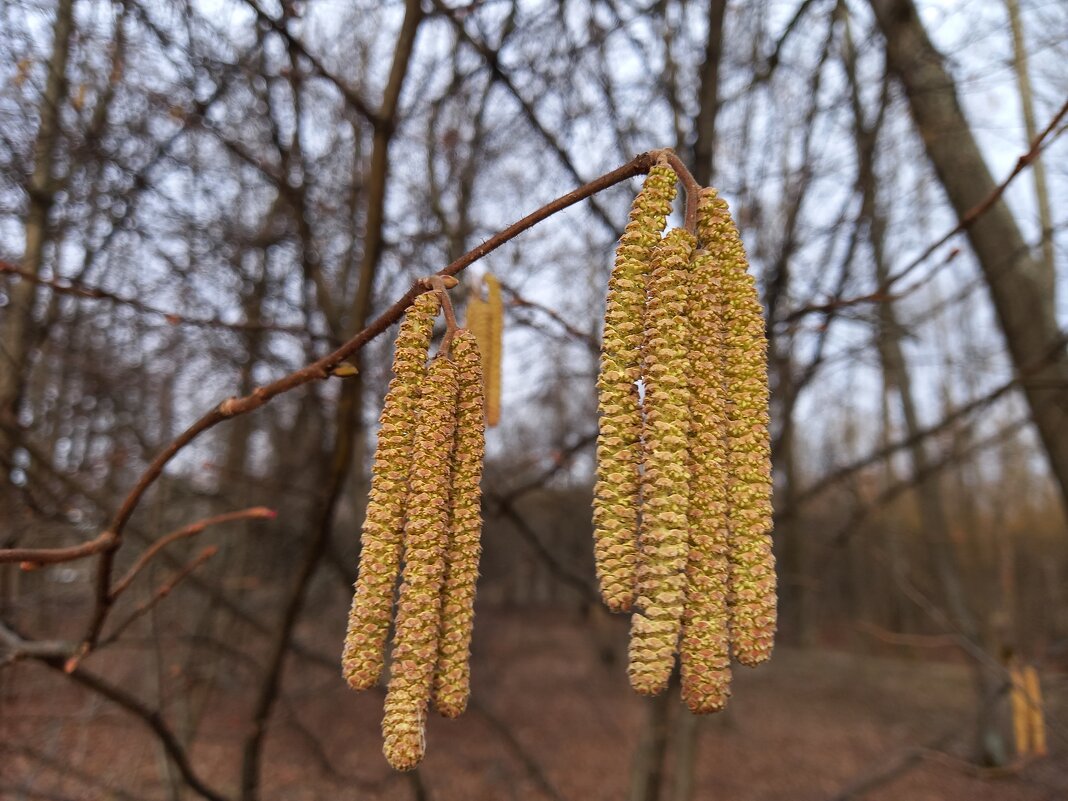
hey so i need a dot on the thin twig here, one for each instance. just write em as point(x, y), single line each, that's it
point(882, 292)
point(164, 590)
point(68, 287)
point(254, 513)
point(32, 558)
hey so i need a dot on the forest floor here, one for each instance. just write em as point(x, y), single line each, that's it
point(550, 719)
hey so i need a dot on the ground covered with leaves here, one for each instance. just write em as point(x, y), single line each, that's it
point(551, 718)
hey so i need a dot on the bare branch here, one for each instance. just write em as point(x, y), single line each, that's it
point(32, 558)
point(191, 530)
point(163, 591)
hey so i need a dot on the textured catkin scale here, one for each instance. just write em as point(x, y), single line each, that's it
point(452, 677)
point(665, 489)
point(752, 566)
point(372, 602)
point(616, 494)
point(416, 635)
point(704, 651)
point(492, 364)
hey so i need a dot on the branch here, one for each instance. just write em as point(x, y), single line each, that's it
point(95, 293)
point(255, 513)
point(294, 44)
point(882, 292)
point(579, 582)
point(15, 647)
point(493, 61)
point(164, 590)
point(32, 558)
point(592, 343)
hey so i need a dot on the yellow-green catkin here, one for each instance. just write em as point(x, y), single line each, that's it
point(665, 489)
point(617, 493)
point(485, 319)
point(492, 363)
point(704, 651)
point(453, 674)
point(372, 602)
point(752, 566)
point(416, 633)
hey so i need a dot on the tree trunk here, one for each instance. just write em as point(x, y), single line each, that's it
point(1015, 279)
point(18, 319)
point(704, 148)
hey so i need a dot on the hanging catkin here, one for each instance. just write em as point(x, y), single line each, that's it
point(616, 494)
point(452, 678)
point(372, 603)
point(485, 319)
point(704, 652)
point(416, 635)
point(752, 565)
point(665, 483)
point(496, 337)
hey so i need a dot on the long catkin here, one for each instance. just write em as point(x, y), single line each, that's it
point(661, 570)
point(704, 651)
point(416, 635)
point(492, 364)
point(752, 566)
point(617, 489)
point(452, 677)
point(372, 602)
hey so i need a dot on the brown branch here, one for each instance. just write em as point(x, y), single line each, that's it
point(577, 581)
point(191, 530)
point(16, 647)
point(32, 558)
point(515, 299)
point(95, 293)
point(882, 293)
point(493, 62)
point(164, 590)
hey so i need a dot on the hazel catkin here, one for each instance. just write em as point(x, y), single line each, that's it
point(485, 320)
point(752, 564)
point(417, 627)
point(661, 570)
point(492, 362)
point(372, 602)
point(704, 651)
point(616, 493)
point(453, 673)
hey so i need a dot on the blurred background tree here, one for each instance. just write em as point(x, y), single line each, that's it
point(197, 198)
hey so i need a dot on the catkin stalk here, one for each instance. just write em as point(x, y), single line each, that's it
point(661, 572)
point(752, 565)
point(416, 635)
point(372, 602)
point(452, 677)
point(704, 651)
point(617, 492)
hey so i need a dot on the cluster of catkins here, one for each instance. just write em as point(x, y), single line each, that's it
point(682, 509)
point(424, 510)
